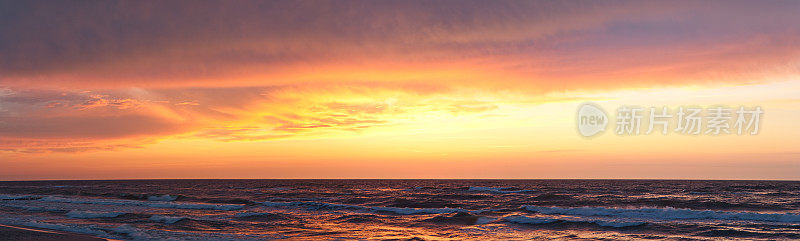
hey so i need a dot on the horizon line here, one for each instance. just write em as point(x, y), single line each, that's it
point(606, 179)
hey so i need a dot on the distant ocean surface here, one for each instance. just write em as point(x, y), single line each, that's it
point(408, 209)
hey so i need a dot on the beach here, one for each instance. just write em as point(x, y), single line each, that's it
point(22, 233)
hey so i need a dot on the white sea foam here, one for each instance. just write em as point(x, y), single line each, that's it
point(666, 214)
point(153, 204)
point(92, 214)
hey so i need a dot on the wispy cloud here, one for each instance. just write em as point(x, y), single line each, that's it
point(43, 120)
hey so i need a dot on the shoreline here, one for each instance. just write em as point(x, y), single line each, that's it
point(13, 232)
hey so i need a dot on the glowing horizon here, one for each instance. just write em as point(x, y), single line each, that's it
point(129, 90)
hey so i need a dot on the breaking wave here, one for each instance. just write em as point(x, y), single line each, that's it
point(396, 210)
point(541, 220)
point(666, 213)
point(153, 204)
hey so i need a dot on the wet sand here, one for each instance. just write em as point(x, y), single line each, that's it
point(21, 233)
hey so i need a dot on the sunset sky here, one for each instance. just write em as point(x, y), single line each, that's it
point(389, 89)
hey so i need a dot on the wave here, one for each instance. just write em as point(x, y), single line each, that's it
point(311, 205)
point(529, 220)
point(727, 233)
point(92, 214)
point(137, 196)
point(421, 203)
point(18, 197)
point(128, 231)
point(34, 208)
point(62, 227)
point(253, 216)
point(553, 197)
point(162, 198)
point(166, 219)
point(153, 204)
point(461, 218)
point(541, 220)
point(706, 204)
point(396, 210)
point(503, 190)
point(172, 197)
point(666, 213)
point(225, 200)
point(418, 210)
point(43, 209)
point(131, 232)
point(358, 218)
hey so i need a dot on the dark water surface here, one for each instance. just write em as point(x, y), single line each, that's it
point(408, 209)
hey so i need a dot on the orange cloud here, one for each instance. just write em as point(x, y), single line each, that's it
point(86, 120)
point(445, 80)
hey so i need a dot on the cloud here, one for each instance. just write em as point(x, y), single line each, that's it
point(281, 112)
point(60, 146)
point(99, 101)
point(76, 76)
point(239, 134)
point(47, 120)
point(538, 46)
point(85, 127)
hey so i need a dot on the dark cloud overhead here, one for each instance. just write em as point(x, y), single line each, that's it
point(131, 43)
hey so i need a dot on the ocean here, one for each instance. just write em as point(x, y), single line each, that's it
point(408, 209)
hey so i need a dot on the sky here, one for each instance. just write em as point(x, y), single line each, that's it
point(390, 89)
